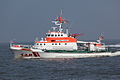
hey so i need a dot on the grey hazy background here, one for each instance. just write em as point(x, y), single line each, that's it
point(24, 20)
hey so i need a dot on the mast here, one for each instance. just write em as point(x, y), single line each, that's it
point(59, 21)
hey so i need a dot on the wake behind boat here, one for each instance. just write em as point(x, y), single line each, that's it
point(59, 43)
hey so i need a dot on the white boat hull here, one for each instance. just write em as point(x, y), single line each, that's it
point(30, 54)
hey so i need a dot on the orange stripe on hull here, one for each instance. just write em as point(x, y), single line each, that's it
point(26, 49)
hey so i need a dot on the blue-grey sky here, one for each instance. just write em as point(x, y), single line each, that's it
point(24, 20)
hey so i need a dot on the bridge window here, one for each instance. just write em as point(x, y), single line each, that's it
point(52, 35)
point(48, 35)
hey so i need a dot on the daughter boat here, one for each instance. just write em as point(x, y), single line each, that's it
point(60, 44)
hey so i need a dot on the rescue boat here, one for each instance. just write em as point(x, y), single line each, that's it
point(59, 43)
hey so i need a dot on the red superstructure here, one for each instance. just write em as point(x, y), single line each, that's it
point(57, 39)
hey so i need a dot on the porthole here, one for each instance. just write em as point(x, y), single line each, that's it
point(52, 43)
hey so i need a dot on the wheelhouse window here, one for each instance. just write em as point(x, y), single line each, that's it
point(52, 35)
point(48, 35)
